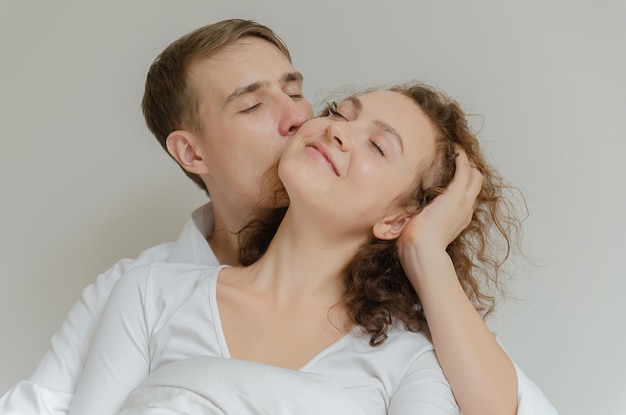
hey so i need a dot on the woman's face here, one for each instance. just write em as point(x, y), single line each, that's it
point(353, 165)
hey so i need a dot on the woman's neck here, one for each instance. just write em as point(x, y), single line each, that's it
point(304, 260)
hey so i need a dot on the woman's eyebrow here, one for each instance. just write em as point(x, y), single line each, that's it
point(358, 105)
point(389, 129)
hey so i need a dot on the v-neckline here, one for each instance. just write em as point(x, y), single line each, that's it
point(221, 337)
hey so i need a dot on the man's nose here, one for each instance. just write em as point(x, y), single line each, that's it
point(295, 114)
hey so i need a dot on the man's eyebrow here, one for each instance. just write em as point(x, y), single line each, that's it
point(246, 89)
point(255, 86)
point(291, 77)
point(389, 129)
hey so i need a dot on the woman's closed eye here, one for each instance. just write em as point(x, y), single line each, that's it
point(331, 107)
point(332, 110)
point(377, 147)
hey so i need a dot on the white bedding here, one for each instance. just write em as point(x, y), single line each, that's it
point(212, 386)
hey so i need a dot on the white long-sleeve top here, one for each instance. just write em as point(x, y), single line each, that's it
point(164, 313)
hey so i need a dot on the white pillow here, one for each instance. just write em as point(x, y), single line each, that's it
point(219, 386)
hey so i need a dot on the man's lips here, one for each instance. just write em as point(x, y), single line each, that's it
point(323, 151)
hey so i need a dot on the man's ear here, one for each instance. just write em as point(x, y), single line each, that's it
point(182, 146)
point(392, 225)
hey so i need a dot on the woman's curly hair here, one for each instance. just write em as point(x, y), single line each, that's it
point(377, 292)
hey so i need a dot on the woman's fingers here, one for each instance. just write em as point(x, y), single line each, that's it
point(467, 182)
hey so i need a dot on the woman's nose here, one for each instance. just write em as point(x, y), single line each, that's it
point(338, 132)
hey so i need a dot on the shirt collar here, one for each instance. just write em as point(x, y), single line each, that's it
point(192, 247)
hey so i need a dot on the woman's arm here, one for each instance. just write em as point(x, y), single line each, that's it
point(423, 389)
point(119, 355)
point(481, 375)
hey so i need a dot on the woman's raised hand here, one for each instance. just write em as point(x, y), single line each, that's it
point(439, 223)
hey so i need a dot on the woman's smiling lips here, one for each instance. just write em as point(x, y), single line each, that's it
point(318, 150)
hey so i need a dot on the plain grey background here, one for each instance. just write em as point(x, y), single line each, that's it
point(83, 183)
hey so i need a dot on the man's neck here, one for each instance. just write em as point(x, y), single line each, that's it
point(224, 240)
point(224, 246)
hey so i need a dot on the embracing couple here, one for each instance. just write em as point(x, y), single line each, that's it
point(344, 264)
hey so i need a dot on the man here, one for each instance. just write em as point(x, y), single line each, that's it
point(223, 101)
point(241, 113)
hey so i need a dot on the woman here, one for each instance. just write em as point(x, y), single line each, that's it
point(326, 302)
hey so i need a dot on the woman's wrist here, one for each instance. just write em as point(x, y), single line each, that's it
point(428, 270)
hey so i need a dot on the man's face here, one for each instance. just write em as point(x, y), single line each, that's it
point(250, 105)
